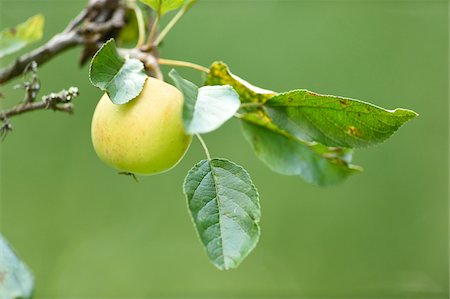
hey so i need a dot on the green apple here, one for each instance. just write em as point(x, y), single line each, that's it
point(145, 135)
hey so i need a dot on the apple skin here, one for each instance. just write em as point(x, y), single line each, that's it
point(144, 136)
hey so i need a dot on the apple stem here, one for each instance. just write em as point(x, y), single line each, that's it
point(205, 148)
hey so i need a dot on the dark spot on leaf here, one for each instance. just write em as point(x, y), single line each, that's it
point(13, 31)
point(353, 131)
point(344, 102)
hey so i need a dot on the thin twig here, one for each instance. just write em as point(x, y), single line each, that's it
point(5, 129)
point(32, 86)
point(53, 47)
point(94, 24)
point(77, 20)
point(61, 101)
point(116, 21)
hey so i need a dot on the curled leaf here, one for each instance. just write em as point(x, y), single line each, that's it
point(207, 108)
point(122, 78)
point(220, 74)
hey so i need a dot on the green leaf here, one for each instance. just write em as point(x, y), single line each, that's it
point(129, 33)
point(219, 74)
point(16, 281)
point(215, 105)
point(123, 79)
point(14, 39)
point(163, 6)
point(334, 121)
point(286, 154)
point(207, 108)
point(224, 205)
point(190, 94)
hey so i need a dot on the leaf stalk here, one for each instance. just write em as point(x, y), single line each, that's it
point(152, 33)
point(191, 65)
point(205, 148)
point(172, 22)
point(141, 24)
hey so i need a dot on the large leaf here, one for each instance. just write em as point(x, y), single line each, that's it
point(163, 6)
point(123, 79)
point(334, 121)
point(16, 280)
point(224, 205)
point(288, 155)
point(207, 108)
point(219, 74)
point(14, 39)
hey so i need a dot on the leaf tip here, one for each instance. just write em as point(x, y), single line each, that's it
point(93, 61)
point(173, 74)
point(410, 114)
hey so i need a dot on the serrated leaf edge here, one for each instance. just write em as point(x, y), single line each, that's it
point(411, 114)
point(124, 60)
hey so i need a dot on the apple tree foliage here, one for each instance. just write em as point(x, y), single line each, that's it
point(296, 132)
point(16, 280)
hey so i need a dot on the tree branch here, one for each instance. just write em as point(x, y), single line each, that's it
point(96, 23)
point(99, 21)
point(54, 46)
point(61, 101)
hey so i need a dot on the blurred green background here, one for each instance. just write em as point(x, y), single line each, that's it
point(89, 233)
